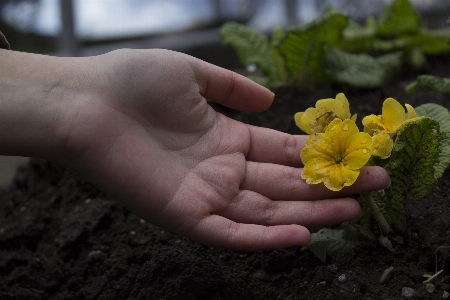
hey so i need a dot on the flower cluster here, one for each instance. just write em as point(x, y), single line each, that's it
point(336, 150)
point(383, 128)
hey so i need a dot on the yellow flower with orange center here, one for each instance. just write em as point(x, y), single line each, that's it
point(383, 128)
point(336, 156)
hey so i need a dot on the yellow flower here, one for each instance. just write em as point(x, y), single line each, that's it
point(336, 156)
point(315, 120)
point(383, 128)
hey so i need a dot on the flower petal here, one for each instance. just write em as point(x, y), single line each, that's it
point(411, 112)
point(333, 105)
point(321, 123)
point(338, 134)
point(358, 152)
point(339, 177)
point(393, 114)
point(372, 124)
point(382, 144)
point(298, 121)
point(306, 118)
point(316, 169)
point(316, 146)
point(341, 98)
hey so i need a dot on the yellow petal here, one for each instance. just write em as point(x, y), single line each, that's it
point(382, 144)
point(309, 116)
point(338, 133)
point(316, 169)
point(341, 98)
point(393, 114)
point(411, 112)
point(339, 177)
point(333, 105)
point(316, 146)
point(358, 152)
point(372, 124)
point(298, 121)
point(321, 123)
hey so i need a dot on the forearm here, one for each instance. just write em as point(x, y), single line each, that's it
point(34, 89)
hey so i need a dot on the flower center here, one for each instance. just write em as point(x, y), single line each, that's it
point(338, 159)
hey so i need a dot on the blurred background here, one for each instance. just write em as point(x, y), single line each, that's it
point(93, 27)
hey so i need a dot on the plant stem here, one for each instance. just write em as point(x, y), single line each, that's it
point(434, 276)
point(384, 225)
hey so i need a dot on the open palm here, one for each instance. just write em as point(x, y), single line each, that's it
point(148, 138)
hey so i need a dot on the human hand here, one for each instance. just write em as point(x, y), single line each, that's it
point(142, 131)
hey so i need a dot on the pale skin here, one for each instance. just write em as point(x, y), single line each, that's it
point(137, 125)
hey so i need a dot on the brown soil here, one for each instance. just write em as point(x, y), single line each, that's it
point(60, 238)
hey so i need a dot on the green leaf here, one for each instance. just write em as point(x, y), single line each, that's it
point(442, 115)
point(411, 165)
point(277, 58)
point(398, 18)
point(385, 241)
point(430, 288)
point(434, 83)
point(304, 46)
point(432, 41)
point(415, 58)
point(335, 241)
point(392, 209)
point(362, 70)
point(251, 47)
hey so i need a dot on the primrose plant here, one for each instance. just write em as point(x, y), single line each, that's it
point(412, 145)
point(332, 48)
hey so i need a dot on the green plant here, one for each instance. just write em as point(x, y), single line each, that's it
point(434, 83)
point(413, 147)
point(333, 49)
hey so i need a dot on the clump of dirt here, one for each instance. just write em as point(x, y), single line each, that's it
point(61, 238)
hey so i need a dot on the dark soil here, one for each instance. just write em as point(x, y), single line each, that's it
point(60, 238)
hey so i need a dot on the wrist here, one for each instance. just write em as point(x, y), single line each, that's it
point(36, 90)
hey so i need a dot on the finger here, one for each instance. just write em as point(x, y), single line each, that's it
point(231, 89)
point(279, 182)
point(221, 232)
point(251, 207)
point(271, 146)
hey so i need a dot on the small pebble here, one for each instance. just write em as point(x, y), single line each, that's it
point(445, 295)
point(259, 274)
point(436, 239)
point(96, 255)
point(387, 274)
point(332, 268)
point(342, 278)
point(408, 292)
